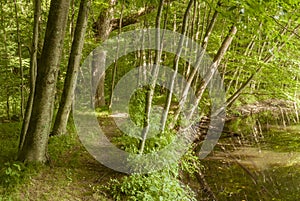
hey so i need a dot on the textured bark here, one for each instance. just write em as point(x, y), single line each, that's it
point(36, 140)
point(33, 68)
point(98, 78)
point(60, 125)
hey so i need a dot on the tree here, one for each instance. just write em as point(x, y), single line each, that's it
point(33, 69)
point(65, 105)
point(154, 72)
point(105, 24)
point(103, 28)
point(36, 138)
point(20, 59)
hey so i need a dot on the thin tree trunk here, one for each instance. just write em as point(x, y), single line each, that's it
point(212, 69)
point(117, 56)
point(72, 23)
point(20, 61)
point(155, 70)
point(33, 68)
point(102, 28)
point(200, 56)
point(176, 63)
point(36, 140)
point(60, 125)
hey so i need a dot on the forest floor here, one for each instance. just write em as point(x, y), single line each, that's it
point(72, 173)
point(270, 171)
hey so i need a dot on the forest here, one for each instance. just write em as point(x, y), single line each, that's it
point(151, 100)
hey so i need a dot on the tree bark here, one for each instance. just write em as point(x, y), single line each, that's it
point(116, 62)
point(60, 125)
point(131, 19)
point(33, 68)
point(36, 140)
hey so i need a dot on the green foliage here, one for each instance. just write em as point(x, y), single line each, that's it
point(9, 133)
point(11, 174)
point(137, 106)
point(14, 174)
point(58, 145)
point(190, 163)
point(156, 186)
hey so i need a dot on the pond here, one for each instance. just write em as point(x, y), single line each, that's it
point(264, 166)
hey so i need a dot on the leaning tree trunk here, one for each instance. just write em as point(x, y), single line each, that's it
point(60, 125)
point(199, 61)
point(213, 68)
point(36, 140)
point(33, 66)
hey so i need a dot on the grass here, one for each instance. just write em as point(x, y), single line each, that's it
point(72, 173)
point(9, 133)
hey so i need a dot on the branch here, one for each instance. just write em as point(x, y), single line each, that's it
point(289, 30)
point(267, 59)
point(131, 19)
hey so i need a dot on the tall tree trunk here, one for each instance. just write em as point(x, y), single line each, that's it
point(117, 56)
point(102, 28)
point(33, 68)
point(212, 69)
point(20, 61)
point(155, 70)
point(176, 63)
point(36, 140)
point(191, 76)
point(60, 125)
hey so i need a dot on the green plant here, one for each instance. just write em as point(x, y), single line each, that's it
point(12, 174)
point(137, 106)
point(161, 185)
